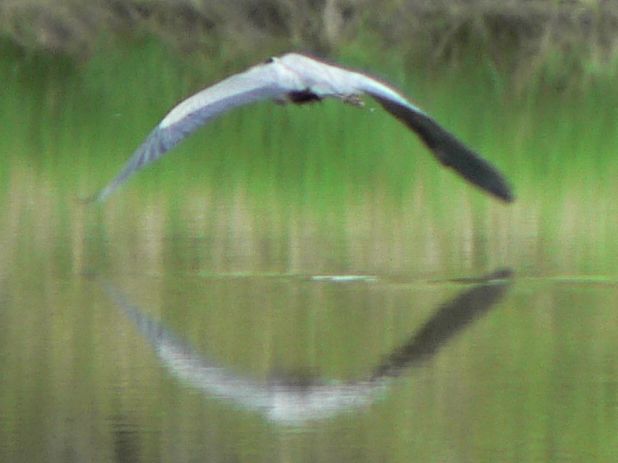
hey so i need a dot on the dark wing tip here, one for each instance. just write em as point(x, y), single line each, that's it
point(479, 172)
point(506, 194)
point(450, 151)
point(471, 166)
point(454, 154)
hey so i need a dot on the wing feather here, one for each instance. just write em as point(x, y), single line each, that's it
point(449, 150)
point(293, 73)
point(258, 83)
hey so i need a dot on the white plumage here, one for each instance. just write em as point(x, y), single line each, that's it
point(300, 79)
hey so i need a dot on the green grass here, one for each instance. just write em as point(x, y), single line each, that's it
point(70, 126)
point(300, 191)
point(98, 112)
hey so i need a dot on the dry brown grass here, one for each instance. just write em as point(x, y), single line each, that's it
point(521, 35)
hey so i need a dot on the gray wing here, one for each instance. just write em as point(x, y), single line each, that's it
point(450, 151)
point(258, 83)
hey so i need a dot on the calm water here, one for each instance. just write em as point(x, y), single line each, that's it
point(310, 291)
point(227, 331)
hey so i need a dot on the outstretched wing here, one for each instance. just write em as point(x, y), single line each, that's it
point(258, 83)
point(444, 145)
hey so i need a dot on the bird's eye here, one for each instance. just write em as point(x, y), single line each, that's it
point(270, 60)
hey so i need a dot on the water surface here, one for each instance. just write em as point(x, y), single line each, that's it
point(145, 340)
point(329, 294)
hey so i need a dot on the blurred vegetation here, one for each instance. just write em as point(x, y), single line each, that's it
point(540, 102)
point(519, 61)
point(561, 40)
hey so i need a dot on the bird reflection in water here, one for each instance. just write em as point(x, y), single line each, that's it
point(294, 400)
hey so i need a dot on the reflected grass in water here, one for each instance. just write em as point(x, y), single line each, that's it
point(518, 384)
point(295, 398)
point(304, 191)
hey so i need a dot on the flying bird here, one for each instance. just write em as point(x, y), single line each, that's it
point(300, 79)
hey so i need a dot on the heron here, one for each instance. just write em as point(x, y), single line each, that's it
point(300, 79)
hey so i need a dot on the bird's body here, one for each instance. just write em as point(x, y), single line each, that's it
point(300, 79)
